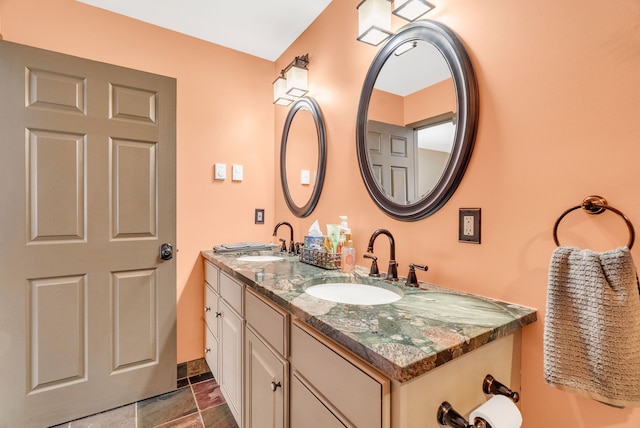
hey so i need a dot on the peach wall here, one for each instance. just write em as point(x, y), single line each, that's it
point(559, 93)
point(224, 114)
point(386, 107)
point(430, 102)
point(423, 104)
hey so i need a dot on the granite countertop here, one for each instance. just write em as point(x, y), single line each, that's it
point(426, 328)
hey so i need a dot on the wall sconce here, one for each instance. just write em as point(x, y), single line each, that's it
point(280, 96)
point(292, 82)
point(411, 9)
point(374, 21)
point(296, 75)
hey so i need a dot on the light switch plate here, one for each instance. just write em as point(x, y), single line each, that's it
point(219, 171)
point(236, 172)
point(259, 217)
point(305, 176)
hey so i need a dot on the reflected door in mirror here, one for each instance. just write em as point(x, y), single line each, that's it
point(391, 154)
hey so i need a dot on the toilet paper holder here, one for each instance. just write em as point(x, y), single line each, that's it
point(448, 416)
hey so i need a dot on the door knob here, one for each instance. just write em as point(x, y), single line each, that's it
point(275, 386)
point(166, 252)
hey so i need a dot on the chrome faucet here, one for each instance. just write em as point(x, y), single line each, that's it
point(392, 272)
point(292, 248)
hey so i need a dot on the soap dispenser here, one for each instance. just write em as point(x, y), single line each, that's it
point(348, 255)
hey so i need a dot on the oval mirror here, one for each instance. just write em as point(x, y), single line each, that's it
point(417, 120)
point(303, 156)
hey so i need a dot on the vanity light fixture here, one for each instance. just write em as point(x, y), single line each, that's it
point(280, 96)
point(296, 75)
point(374, 21)
point(411, 9)
point(292, 82)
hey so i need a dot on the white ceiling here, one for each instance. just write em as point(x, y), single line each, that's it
point(263, 28)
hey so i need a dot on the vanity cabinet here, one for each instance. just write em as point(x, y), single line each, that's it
point(266, 367)
point(277, 371)
point(212, 317)
point(231, 344)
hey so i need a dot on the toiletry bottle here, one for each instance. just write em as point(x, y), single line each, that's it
point(344, 227)
point(348, 255)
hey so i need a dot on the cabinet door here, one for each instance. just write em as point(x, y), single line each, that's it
point(307, 411)
point(211, 349)
point(231, 359)
point(265, 385)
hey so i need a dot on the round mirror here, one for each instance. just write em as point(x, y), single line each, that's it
point(417, 120)
point(303, 156)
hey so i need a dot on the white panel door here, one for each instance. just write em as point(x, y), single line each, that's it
point(87, 183)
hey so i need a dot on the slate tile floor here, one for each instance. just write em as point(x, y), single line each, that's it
point(196, 403)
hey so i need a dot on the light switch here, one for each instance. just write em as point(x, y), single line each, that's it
point(305, 176)
point(219, 171)
point(236, 172)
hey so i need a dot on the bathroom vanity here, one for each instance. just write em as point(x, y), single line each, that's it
point(284, 356)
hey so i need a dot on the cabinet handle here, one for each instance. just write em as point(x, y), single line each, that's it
point(207, 350)
point(218, 314)
point(207, 308)
point(275, 386)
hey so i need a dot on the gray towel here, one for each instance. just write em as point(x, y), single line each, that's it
point(243, 247)
point(592, 325)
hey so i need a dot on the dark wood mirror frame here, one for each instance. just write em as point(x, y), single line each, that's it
point(456, 56)
point(306, 103)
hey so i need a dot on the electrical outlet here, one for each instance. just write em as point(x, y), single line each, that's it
point(469, 225)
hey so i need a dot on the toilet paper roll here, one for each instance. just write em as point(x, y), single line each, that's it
point(499, 411)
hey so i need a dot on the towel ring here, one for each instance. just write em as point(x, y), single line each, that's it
point(595, 205)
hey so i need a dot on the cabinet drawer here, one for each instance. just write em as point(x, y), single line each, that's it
point(268, 321)
point(339, 380)
point(231, 291)
point(211, 275)
point(211, 310)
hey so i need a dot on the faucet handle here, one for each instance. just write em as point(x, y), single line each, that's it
point(292, 247)
point(412, 279)
point(283, 247)
point(374, 265)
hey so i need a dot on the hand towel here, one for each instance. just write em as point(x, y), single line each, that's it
point(244, 246)
point(592, 325)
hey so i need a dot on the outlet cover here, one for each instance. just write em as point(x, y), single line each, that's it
point(469, 225)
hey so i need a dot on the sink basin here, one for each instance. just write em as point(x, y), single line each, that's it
point(354, 294)
point(258, 258)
